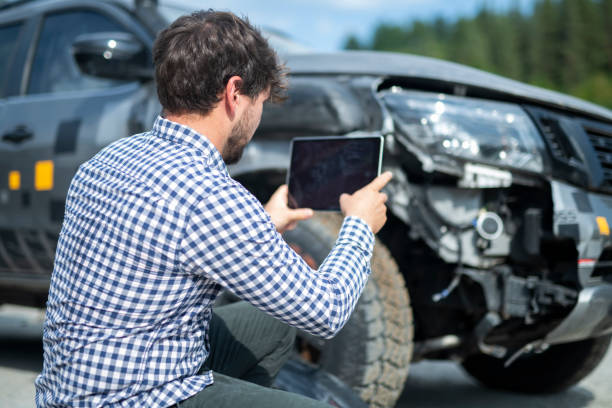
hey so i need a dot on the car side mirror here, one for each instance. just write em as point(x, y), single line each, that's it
point(115, 55)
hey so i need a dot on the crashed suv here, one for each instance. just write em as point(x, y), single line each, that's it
point(497, 251)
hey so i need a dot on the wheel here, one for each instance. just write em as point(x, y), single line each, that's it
point(557, 368)
point(372, 352)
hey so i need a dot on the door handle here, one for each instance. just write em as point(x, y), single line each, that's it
point(20, 134)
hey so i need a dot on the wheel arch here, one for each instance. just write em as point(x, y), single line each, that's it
point(263, 167)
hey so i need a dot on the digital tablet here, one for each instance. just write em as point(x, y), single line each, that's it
point(323, 168)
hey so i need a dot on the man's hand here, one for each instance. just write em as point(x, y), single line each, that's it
point(283, 217)
point(368, 203)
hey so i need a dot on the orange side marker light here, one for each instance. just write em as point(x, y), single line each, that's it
point(43, 175)
point(14, 180)
point(604, 228)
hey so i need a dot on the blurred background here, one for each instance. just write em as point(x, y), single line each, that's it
point(565, 45)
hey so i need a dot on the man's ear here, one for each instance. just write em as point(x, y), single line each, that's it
point(232, 96)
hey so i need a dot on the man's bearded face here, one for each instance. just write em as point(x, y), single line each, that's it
point(242, 132)
point(237, 141)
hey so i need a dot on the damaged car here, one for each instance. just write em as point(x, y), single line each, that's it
point(497, 250)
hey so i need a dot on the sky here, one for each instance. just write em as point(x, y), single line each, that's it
point(324, 25)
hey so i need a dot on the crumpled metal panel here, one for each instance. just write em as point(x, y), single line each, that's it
point(315, 106)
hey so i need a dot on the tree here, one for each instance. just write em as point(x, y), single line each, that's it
point(528, 53)
point(571, 44)
point(389, 37)
point(422, 39)
point(606, 16)
point(562, 44)
point(502, 42)
point(547, 67)
point(352, 43)
point(594, 35)
point(469, 45)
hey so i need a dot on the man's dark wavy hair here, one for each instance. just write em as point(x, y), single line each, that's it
point(197, 54)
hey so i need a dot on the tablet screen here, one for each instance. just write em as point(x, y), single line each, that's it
point(323, 168)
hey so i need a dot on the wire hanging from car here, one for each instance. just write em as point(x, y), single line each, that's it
point(437, 297)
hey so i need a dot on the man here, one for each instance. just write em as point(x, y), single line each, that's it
point(155, 227)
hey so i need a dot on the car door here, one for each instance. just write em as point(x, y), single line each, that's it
point(11, 37)
point(60, 119)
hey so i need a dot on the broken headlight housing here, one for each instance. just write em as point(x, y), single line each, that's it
point(478, 130)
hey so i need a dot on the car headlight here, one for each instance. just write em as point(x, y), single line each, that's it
point(474, 129)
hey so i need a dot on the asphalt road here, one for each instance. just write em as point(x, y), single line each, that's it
point(430, 384)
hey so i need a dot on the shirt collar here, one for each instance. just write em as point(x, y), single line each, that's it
point(177, 133)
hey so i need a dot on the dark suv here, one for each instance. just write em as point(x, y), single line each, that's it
point(499, 208)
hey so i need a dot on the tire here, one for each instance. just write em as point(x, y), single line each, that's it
point(554, 370)
point(372, 352)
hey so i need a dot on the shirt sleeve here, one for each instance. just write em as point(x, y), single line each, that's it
point(230, 239)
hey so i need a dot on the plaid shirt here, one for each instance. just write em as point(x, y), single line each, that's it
point(154, 228)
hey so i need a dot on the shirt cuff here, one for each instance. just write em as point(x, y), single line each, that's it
point(356, 231)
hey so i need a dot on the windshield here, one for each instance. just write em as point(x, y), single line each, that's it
point(171, 10)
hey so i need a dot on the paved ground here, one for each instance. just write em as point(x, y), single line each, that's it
point(439, 385)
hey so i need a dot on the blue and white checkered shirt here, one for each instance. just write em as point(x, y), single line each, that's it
point(154, 228)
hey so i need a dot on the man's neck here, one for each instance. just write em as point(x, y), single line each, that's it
point(210, 126)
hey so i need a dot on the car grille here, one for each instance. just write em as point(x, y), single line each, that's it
point(557, 140)
point(602, 143)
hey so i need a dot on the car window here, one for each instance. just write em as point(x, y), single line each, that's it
point(8, 43)
point(54, 68)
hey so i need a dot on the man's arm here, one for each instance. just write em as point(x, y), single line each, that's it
point(230, 239)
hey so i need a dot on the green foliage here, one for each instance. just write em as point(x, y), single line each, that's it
point(564, 45)
point(352, 43)
point(597, 88)
point(469, 46)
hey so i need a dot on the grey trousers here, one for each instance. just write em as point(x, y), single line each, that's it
point(247, 350)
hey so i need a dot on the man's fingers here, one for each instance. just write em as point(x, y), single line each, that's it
point(379, 182)
point(281, 191)
point(301, 214)
point(343, 198)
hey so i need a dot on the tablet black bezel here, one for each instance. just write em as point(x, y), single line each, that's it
point(333, 138)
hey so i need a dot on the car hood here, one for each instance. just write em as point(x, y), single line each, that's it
point(408, 66)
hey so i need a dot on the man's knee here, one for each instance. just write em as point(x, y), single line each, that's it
point(256, 328)
point(287, 338)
